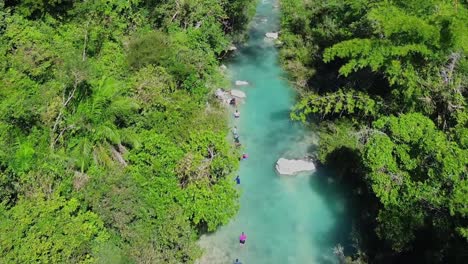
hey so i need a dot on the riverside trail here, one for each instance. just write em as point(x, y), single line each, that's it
point(287, 219)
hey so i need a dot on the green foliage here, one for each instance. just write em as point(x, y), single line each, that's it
point(394, 24)
point(152, 48)
point(203, 203)
point(402, 63)
point(109, 153)
point(377, 55)
point(411, 163)
point(337, 103)
point(334, 137)
point(53, 230)
point(213, 154)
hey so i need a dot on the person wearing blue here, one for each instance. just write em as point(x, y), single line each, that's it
point(237, 179)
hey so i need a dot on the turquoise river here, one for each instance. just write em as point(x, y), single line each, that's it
point(287, 219)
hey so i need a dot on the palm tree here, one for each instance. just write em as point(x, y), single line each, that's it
point(94, 130)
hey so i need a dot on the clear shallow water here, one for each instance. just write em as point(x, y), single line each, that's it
point(286, 219)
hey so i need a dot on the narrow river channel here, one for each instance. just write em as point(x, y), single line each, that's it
point(286, 219)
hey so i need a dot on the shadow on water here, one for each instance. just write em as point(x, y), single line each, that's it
point(280, 115)
point(281, 134)
point(336, 195)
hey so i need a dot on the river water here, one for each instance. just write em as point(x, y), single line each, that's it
point(286, 219)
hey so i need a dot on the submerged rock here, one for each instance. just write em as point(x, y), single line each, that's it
point(232, 48)
point(272, 35)
point(238, 93)
point(223, 67)
point(242, 83)
point(292, 167)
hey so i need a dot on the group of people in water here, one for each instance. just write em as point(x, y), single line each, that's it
point(234, 130)
point(237, 142)
point(236, 136)
point(243, 236)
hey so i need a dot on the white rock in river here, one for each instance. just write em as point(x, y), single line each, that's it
point(272, 35)
point(223, 67)
point(241, 83)
point(220, 93)
point(238, 93)
point(223, 96)
point(232, 48)
point(292, 167)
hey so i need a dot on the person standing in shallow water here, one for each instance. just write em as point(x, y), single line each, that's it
point(237, 114)
point(237, 179)
point(237, 262)
point(242, 238)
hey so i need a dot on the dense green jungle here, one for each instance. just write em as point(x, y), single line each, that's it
point(109, 152)
point(113, 148)
point(387, 83)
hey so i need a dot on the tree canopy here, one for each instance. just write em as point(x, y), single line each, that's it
point(112, 149)
point(387, 83)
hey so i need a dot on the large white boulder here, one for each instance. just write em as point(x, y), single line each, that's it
point(238, 93)
point(242, 83)
point(272, 35)
point(293, 166)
